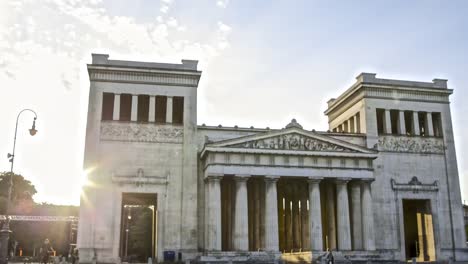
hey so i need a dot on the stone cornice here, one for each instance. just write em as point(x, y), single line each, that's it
point(388, 93)
point(415, 186)
point(393, 89)
point(144, 76)
point(206, 150)
point(139, 181)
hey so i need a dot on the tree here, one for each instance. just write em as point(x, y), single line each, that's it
point(22, 192)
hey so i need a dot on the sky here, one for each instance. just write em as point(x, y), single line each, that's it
point(263, 62)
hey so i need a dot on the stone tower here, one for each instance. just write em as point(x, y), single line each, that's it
point(410, 124)
point(140, 149)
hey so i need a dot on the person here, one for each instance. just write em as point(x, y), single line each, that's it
point(46, 251)
point(74, 256)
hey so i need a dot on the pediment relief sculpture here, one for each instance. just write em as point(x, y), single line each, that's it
point(293, 141)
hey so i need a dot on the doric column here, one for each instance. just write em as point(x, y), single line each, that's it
point(271, 214)
point(315, 215)
point(368, 235)
point(169, 110)
point(387, 122)
point(116, 114)
point(152, 109)
point(350, 126)
point(331, 232)
point(214, 212)
point(356, 215)
point(342, 209)
point(416, 124)
point(401, 123)
point(134, 115)
point(241, 216)
point(429, 128)
point(355, 124)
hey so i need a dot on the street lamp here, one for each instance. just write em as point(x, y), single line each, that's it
point(5, 232)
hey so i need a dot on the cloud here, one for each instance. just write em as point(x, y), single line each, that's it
point(164, 9)
point(223, 33)
point(172, 22)
point(222, 3)
point(45, 45)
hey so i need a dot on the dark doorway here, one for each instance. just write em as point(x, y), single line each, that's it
point(419, 232)
point(138, 236)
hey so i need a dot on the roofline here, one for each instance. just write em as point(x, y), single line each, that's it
point(369, 79)
point(102, 60)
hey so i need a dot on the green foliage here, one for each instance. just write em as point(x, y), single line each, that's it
point(30, 235)
point(22, 191)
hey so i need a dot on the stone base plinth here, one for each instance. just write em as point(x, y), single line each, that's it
point(243, 257)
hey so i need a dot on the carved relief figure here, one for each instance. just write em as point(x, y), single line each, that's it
point(410, 144)
point(292, 142)
point(141, 132)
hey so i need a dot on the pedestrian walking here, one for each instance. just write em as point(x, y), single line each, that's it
point(46, 251)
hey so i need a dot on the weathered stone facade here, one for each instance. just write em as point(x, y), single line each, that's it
point(381, 185)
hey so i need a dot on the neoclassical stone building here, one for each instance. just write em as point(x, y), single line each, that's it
point(380, 185)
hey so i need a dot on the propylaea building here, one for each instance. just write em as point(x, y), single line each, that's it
point(381, 185)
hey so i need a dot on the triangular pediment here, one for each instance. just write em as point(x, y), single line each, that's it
point(292, 139)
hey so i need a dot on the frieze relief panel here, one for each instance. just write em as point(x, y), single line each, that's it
point(137, 132)
point(410, 144)
point(292, 142)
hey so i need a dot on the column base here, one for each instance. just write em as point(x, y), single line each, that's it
point(241, 256)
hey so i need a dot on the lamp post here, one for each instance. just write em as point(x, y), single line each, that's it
point(5, 232)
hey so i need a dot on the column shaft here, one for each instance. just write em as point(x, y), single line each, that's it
point(134, 114)
point(416, 131)
point(116, 114)
point(342, 209)
point(387, 122)
point(214, 213)
point(355, 124)
point(169, 110)
point(429, 127)
point(401, 123)
point(356, 218)
point(367, 217)
point(331, 217)
point(152, 109)
point(241, 220)
point(271, 214)
point(315, 215)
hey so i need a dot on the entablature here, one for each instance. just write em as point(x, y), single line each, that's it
point(291, 150)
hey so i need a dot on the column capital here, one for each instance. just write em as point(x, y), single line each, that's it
point(367, 180)
point(241, 177)
point(355, 183)
point(214, 177)
point(342, 180)
point(314, 179)
point(271, 178)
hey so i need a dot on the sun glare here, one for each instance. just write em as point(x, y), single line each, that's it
point(84, 180)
